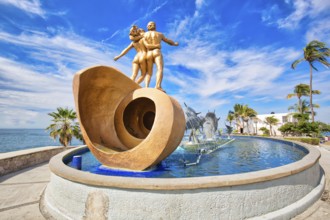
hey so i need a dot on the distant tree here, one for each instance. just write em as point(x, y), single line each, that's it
point(288, 129)
point(301, 90)
point(256, 120)
point(237, 115)
point(64, 126)
point(229, 129)
point(271, 121)
point(304, 128)
point(242, 114)
point(323, 126)
point(230, 117)
point(246, 115)
point(264, 130)
point(302, 111)
point(315, 51)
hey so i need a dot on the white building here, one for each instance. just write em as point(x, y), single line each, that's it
point(282, 119)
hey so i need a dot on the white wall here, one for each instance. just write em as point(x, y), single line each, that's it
point(282, 118)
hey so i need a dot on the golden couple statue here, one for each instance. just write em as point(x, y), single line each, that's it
point(148, 51)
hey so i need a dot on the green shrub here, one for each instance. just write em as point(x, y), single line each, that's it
point(312, 141)
point(265, 131)
point(303, 128)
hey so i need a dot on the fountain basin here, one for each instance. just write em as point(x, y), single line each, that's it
point(280, 192)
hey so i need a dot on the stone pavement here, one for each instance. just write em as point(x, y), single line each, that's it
point(20, 193)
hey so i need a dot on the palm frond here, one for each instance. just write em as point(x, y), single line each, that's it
point(295, 63)
point(311, 64)
point(289, 96)
point(316, 92)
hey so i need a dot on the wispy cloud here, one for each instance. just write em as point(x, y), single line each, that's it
point(26, 94)
point(302, 9)
point(28, 6)
point(241, 70)
point(319, 30)
point(63, 49)
point(270, 16)
point(252, 73)
point(44, 82)
point(145, 17)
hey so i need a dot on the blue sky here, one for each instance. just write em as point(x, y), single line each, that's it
point(230, 52)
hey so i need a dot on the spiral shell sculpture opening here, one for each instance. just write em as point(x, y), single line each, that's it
point(126, 126)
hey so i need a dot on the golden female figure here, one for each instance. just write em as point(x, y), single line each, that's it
point(139, 61)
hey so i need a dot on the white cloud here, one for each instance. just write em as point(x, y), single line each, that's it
point(302, 9)
point(26, 94)
point(199, 4)
point(147, 15)
point(319, 30)
point(217, 76)
point(267, 15)
point(253, 70)
point(30, 89)
point(64, 50)
point(28, 6)
point(319, 6)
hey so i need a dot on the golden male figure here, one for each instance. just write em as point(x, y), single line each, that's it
point(152, 41)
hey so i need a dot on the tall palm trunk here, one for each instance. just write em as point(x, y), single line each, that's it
point(248, 127)
point(311, 90)
point(270, 130)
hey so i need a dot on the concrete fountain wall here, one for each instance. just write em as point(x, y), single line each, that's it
point(277, 193)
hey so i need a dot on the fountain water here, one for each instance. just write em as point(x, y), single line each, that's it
point(204, 137)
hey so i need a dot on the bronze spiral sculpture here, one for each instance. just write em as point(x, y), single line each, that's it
point(126, 126)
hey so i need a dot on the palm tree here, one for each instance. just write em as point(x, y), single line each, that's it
point(271, 121)
point(256, 120)
point(64, 126)
point(242, 114)
point(315, 51)
point(302, 111)
point(230, 117)
point(238, 108)
point(301, 90)
point(246, 114)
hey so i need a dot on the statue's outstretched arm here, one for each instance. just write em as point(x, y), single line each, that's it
point(169, 41)
point(125, 51)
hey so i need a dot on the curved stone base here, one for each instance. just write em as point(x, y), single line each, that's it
point(279, 193)
point(126, 126)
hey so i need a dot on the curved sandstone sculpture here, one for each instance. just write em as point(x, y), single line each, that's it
point(126, 126)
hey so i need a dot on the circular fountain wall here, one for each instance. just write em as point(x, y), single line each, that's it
point(280, 192)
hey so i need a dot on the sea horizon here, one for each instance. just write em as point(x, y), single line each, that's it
point(14, 139)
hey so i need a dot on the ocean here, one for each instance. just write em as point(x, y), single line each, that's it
point(20, 139)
